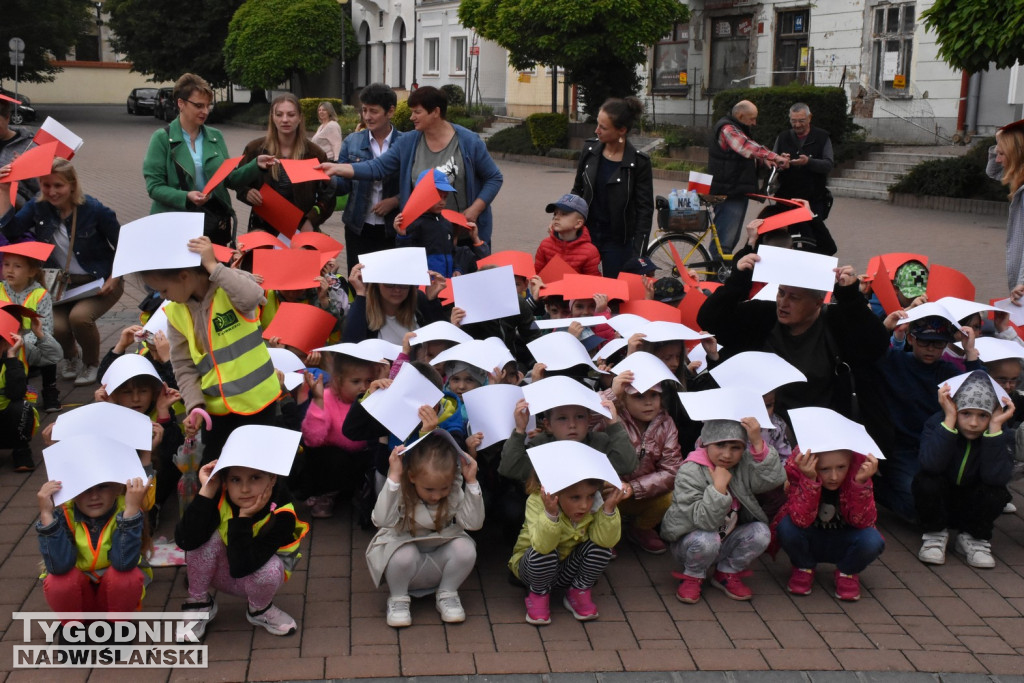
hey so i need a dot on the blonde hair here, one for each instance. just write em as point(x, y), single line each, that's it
point(1011, 143)
point(435, 453)
point(329, 108)
point(271, 143)
point(375, 315)
point(63, 168)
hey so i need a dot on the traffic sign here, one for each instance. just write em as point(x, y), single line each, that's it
point(16, 44)
point(17, 58)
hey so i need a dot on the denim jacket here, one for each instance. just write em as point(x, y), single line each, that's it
point(357, 147)
point(57, 543)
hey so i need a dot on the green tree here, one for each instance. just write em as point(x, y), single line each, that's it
point(973, 34)
point(270, 41)
point(166, 38)
point(49, 30)
point(599, 42)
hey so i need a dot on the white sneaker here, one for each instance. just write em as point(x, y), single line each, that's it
point(976, 551)
point(450, 607)
point(69, 368)
point(274, 619)
point(1009, 509)
point(399, 615)
point(87, 376)
point(933, 547)
point(209, 608)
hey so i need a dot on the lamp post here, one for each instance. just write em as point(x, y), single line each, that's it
point(99, 31)
point(343, 32)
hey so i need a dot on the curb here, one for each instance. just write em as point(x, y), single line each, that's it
point(659, 173)
point(975, 206)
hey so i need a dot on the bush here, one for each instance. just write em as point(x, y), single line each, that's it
point(667, 164)
point(514, 140)
point(559, 153)
point(681, 136)
point(961, 177)
point(548, 130)
point(456, 95)
point(309, 106)
point(474, 123)
point(828, 107)
point(401, 119)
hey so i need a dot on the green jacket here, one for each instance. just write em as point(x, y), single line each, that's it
point(169, 152)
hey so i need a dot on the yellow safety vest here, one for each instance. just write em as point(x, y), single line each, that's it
point(32, 302)
point(92, 559)
point(288, 553)
point(237, 375)
point(269, 309)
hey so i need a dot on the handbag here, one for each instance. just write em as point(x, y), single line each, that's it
point(55, 280)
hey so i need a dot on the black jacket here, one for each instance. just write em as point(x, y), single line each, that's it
point(734, 175)
point(805, 182)
point(630, 193)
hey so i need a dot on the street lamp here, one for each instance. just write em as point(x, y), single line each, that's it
point(343, 32)
point(99, 31)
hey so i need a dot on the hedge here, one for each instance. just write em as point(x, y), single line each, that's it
point(309, 106)
point(962, 177)
point(401, 120)
point(455, 94)
point(548, 130)
point(828, 106)
point(514, 140)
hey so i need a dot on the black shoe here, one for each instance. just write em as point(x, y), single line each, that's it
point(22, 458)
point(51, 400)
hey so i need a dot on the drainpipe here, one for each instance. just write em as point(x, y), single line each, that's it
point(961, 112)
point(973, 98)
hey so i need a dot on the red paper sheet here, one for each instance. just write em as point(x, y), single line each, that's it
point(9, 99)
point(690, 305)
point(9, 326)
point(13, 196)
point(300, 325)
point(791, 202)
point(577, 286)
point(785, 219)
point(223, 254)
point(278, 211)
point(38, 161)
point(521, 262)
point(652, 310)
point(225, 169)
point(555, 270)
point(423, 196)
point(455, 218)
point(893, 261)
point(303, 170)
point(684, 274)
point(883, 288)
point(39, 251)
point(636, 285)
point(20, 311)
point(287, 269)
point(945, 281)
point(259, 238)
point(316, 240)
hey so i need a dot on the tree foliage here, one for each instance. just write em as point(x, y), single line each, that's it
point(599, 42)
point(166, 38)
point(49, 30)
point(974, 34)
point(270, 41)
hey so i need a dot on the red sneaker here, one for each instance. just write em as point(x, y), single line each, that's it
point(647, 539)
point(847, 586)
point(538, 609)
point(579, 602)
point(689, 588)
point(731, 583)
point(800, 581)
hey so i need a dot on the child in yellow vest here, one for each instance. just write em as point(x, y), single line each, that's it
point(18, 419)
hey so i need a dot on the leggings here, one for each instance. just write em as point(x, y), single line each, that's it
point(208, 567)
point(580, 569)
point(75, 591)
point(76, 321)
point(443, 568)
point(698, 550)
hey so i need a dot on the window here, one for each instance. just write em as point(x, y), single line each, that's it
point(792, 53)
point(892, 39)
point(730, 52)
point(459, 55)
point(431, 58)
point(670, 56)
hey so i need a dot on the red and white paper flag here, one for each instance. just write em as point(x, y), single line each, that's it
point(53, 131)
point(700, 182)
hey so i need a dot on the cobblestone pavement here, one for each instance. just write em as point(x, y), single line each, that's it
point(913, 620)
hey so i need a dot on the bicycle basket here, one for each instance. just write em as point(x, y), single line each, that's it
point(685, 220)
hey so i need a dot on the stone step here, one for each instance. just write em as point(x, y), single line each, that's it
point(859, 193)
point(853, 187)
point(495, 127)
point(883, 166)
point(905, 157)
point(887, 177)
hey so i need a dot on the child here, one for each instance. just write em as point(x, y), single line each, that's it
point(213, 309)
point(156, 348)
point(20, 285)
point(461, 377)
point(240, 535)
point(715, 518)
point(648, 489)
point(18, 419)
point(566, 542)
point(93, 546)
point(330, 459)
point(966, 462)
point(568, 237)
point(423, 513)
point(829, 517)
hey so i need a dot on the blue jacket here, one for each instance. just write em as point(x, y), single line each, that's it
point(354, 149)
point(987, 460)
point(483, 179)
point(96, 232)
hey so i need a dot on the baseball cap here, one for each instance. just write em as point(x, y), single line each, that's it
point(911, 279)
point(717, 431)
point(639, 266)
point(440, 179)
point(569, 202)
point(668, 290)
point(933, 328)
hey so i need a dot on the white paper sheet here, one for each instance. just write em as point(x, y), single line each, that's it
point(560, 350)
point(962, 308)
point(444, 435)
point(82, 291)
point(123, 424)
point(795, 268)
point(991, 349)
point(724, 404)
point(286, 361)
point(626, 324)
point(124, 368)
point(485, 354)
point(403, 266)
point(647, 370)
point(610, 348)
point(441, 330)
point(491, 411)
point(820, 430)
point(1016, 312)
point(928, 310)
point(157, 242)
point(397, 406)
point(80, 462)
point(486, 294)
point(552, 392)
point(562, 323)
point(158, 321)
point(373, 350)
point(560, 464)
point(659, 331)
point(260, 447)
point(697, 353)
point(956, 382)
point(769, 292)
point(758, 371)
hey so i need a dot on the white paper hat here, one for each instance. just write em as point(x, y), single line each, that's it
point(962, 308)
point(559, 351)
point(725, 404)
point(991, 349)
point(441, 330)
point(443, 433)
point(124, 368)
point(759, 371)
point(373, 350)
point(956, 382)
point(661, 331)
point(289, 364)
point(610, 348)
point(485, 354)
point(491, 411)
point(560, 464)
point(552, 392)
point(260, 447)
point(821, 430)
point(929, 309)
point(627, 324)
point(396, 407)
point(402, 266)
point(123, 424)
point(83, 461)
point(157, 242)
point(647, 370)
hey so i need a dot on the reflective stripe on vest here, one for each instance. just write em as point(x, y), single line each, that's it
point(93, 559)
point(32, 302)
point(269, 309)
point(237, 374)
point(289, 553)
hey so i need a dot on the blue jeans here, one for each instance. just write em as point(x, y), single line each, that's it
point(892, 484)
point(850, 550)
point(729, 217)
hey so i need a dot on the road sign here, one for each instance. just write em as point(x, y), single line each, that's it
point(474, 50)
point(17, 58)
point(16, 44)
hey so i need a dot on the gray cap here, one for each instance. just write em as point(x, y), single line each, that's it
point(569, 202)
point(716, 431)
point(976, 393)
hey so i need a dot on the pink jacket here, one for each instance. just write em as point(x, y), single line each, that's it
point(657, 448)
point(580, 253)
point(322, 426)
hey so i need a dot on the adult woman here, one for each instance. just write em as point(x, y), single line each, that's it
point(615, 180)
point(328, 135)
point(184, 155)
point(285, 139)
point(388, 312)
point(1006, 164)
point(436, 143)
point(84, 233)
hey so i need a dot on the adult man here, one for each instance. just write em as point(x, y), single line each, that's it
point(15, 141)
point(372, 204)
point(810, 161)
point(732, 160)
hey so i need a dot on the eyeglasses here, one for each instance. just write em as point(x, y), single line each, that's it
point(200, 105)
point(930, 343)
point(1005, 382)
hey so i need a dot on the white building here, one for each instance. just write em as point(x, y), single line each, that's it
point(384, 29)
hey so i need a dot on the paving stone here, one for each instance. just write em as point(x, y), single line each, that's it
point(952, 611)
point(713, 659)
point(945, 661)
point(361, 666)
point(610, 635)
point(510, 662)
point(584, 661)
point(451, 664)
point(516, 638)
point(873, 660)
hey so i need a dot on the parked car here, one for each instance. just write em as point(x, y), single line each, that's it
point(166, 108)
point(22, 113)
point(142, 100)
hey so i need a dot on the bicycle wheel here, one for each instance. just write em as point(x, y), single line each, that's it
point(692, 253)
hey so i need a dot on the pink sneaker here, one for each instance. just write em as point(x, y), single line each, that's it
point(731, 583)
point(538, 609)
point(847, 586)
point(689, 588)
point(323, 506)
point(800, 581)
point(578, 602)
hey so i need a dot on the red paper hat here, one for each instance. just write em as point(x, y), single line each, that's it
point(883, 288)
point(945, 281)
point(9, 326)
point(20, 311)
point(521, 262)
point(690, 305)
point(892, 262)
point(577, 286)
point(326, 256)
point(652, 310)
point(300, 325)
point(635, 283)
point(316, 240)
point(287, 269)
point(555, 270)
point(258, 239)
point(223, 254)
point(422, 197)
point(785, 219)
point(40, 251)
